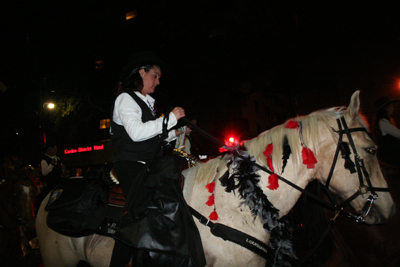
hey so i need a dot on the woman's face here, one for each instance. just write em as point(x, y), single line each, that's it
point(150, 79)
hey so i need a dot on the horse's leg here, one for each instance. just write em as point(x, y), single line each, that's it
point(57, 250)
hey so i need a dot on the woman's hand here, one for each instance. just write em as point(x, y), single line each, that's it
point(178, 112)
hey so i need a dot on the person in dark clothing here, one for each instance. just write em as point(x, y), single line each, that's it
point(137, 134)
point(387, 135)
point(51, 174)
point(52, 169)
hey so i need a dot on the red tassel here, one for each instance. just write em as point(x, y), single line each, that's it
point(292, 125)
point(210, 201)
point(211, 187)
point(213, 216)
point(268, 150)
point(273, 181)
point(308, 158)
point(268, 155)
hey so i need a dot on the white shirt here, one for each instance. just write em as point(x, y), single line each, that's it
point(129, 114)
point(47, 168)
point(388, 128)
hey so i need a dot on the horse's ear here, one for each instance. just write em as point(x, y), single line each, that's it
point(354, 105)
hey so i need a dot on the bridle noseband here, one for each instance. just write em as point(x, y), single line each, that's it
point(361, 171)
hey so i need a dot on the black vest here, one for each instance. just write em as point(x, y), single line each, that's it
point(125, 148)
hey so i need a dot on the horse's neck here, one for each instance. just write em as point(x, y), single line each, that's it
point(193, 180)
point(286, 196)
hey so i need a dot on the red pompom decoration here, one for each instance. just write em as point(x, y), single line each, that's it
point(292, 125)
point(308, 158)
point(273, 181)
point(210, 201)
point(213, 216)
point(211, 187)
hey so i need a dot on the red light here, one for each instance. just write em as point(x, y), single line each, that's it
point(231, 141)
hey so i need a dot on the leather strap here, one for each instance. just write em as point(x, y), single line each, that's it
point(237, 237)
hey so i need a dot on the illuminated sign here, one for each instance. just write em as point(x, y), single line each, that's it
point(83, 149)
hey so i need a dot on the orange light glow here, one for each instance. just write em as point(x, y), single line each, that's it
point(131, 14)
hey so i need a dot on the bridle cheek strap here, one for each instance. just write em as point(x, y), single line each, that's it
point(361, 171)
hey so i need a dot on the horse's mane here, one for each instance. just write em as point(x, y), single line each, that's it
point(313, 127)
point(207, 170)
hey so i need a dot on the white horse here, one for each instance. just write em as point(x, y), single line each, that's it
point(316, 133)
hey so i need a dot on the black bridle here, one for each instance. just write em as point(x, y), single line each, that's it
point(360, 169)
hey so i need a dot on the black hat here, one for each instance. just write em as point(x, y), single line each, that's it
point(383, 102)
point(140, 59)
point(48, 146)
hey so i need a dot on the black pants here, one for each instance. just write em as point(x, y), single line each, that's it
point(160, 187)
point(127, 172)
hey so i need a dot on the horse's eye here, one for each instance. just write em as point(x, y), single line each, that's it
point(371, 150)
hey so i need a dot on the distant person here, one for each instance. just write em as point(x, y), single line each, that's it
point(52, 169)
point(51, 174)
point(386, 133)
point(187, 145)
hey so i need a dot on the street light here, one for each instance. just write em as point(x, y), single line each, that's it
point(49, 105)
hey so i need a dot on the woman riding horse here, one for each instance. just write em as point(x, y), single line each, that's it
point(137, 135)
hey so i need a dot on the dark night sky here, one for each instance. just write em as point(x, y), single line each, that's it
point(316, 52)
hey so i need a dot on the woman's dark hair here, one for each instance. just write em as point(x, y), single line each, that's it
point(135, 82)
point(381, 113)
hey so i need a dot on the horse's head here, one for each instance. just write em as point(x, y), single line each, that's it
point(345, 161)
point(355, 176)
